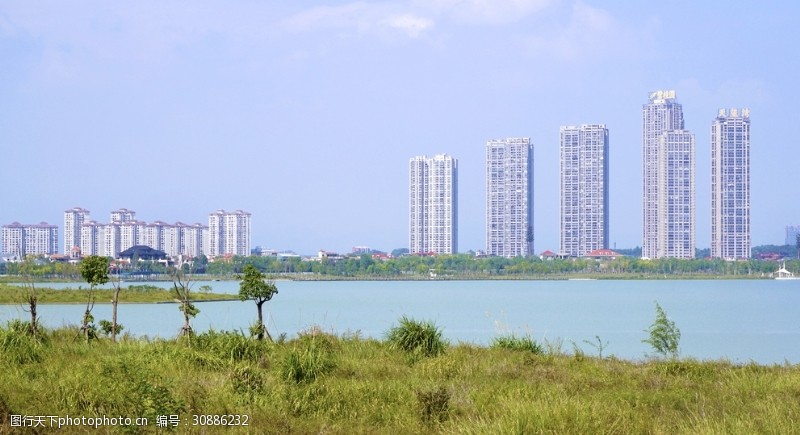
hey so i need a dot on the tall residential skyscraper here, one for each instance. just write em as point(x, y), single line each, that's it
point(676, 195)
point(584, 189)
point(668, 190)
point(74, 219)
point(730, 184)
point(229, 233)
point(433, 204)
point(509, 197)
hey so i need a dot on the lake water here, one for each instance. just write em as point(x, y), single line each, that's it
point(738, 320)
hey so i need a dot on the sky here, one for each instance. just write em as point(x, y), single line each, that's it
point(306, 113)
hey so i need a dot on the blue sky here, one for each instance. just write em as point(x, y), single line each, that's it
point(305, 113)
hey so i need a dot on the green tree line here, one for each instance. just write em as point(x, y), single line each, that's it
point(443, 266)
point(465, 265)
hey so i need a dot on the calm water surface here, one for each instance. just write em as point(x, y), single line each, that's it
point(747, 320)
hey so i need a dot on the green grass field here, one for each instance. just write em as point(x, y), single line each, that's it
point(15, 294)
point(325, 383)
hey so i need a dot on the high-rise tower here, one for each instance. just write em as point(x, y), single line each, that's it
point(584, 189)
point(668, 182)
point(433, 204)
point(229, 233)
point(730, 184)
point(509, 197)
point(74, 219)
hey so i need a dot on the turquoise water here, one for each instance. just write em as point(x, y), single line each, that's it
point(747, 320)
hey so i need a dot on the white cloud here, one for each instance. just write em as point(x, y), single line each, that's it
point(361, 18)
point(484, 11)
point(358, 15)
point(411, 25)
point(590, 31)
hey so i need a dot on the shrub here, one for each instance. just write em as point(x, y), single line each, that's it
point(127, 386)
point(106, 326)
point(417, 337)
point(309, 359)
point(664, 335)
point(230, 345)
point(524, 344)
point(17, 345)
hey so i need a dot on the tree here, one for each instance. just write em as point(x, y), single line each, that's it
point(94, 269)
point(31, 298)
point(664, 335)
point(256, 287)
point(115, 327)
point(182, 284)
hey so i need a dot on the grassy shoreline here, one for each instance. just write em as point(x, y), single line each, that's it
point(322, 382)
point(14, 295)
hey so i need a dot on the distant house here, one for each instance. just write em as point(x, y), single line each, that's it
point(603, 254)
point(327, 255)
point(548, 255)
point(143, 253)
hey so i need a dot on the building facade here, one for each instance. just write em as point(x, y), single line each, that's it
point(20, 240)
point(123, 215)
point(730, 185)
point(73, 221)
point(584, 189)
point(676, 195)
point(668, 174)
point(433, 204)
point(509, 197)
point(124, 232)
point(228, 233)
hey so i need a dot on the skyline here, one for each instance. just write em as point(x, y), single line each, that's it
point(306, 114)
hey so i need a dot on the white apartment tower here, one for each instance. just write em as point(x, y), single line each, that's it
point(509, 197)
point(39, 239)
point(676, 195)
point(433, 204)
point(668, 188)
point(73, 221)
point(730, 185)
point(123, 215)
point(229, 233)
point(192, 239)
point(584, 189)
point(92, 240)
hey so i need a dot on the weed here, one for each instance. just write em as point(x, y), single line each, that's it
point(230, 345)
point(434, 405)
point(17, 345)
point(512, 342)
point(309, 359)
point(416, 337)
point(246, 380)
point(599, 346)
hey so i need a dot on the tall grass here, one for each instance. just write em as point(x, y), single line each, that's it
point(320, 382)
point(512, 342)
point(311, 356)
point(416, 337)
